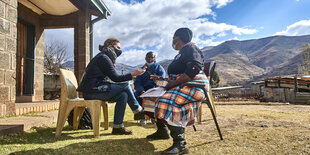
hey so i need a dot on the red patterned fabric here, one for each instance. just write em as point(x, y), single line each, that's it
point(178, 106)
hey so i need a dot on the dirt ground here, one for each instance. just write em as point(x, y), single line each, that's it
point(253, 129)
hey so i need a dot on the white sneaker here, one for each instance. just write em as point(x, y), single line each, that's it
point(142, 122)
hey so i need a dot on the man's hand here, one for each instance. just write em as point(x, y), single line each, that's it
point(138, 72)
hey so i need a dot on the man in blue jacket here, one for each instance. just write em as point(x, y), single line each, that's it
point(143, 82)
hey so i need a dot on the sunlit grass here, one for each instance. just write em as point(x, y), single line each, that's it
point(247, 129)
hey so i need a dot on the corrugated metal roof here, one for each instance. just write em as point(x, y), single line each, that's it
point(223, 88)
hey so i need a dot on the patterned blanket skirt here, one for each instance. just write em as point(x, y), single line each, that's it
point(179, 105)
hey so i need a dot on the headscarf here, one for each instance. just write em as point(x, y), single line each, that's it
point(185, 34)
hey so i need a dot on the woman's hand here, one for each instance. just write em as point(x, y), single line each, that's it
point(182, 79)
point(138, 72)
point(169, 85)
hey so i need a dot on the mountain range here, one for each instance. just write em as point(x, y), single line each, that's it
point(120, 68)
point(241, 62)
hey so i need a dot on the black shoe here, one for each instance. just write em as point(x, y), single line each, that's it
point(139, 116)
point(176, 149)
point(121, 131)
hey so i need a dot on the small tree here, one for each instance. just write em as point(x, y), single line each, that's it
point(55, 55)
point(304, 68)
point(215, 80)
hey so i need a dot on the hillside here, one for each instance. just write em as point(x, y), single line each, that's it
point(69, 64)
point(120, 68)
point(124, 69)
point(240, 61)
point(289, 67)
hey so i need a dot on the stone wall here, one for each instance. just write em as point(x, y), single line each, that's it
point(257, 89)
point(277, 94)
point(231, 92)
point(8, 35)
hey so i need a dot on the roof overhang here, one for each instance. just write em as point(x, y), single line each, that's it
point(102, 8)
point(279, 82)
point(65, 7)
point(51, 7)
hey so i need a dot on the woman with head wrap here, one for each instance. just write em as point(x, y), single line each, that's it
point(177, 108)
point(99, 80)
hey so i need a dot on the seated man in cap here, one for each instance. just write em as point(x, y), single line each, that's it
point(144, 82)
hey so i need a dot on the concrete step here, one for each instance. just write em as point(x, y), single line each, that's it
point(46, 114)
point(29, 122)
point(11, 129)
point(32, 120)
point(42, 106)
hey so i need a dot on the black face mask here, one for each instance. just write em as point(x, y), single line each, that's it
point(117, 52)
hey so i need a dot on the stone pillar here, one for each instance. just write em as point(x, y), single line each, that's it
point(81, 42)
point(39, 64)
point(8, 36)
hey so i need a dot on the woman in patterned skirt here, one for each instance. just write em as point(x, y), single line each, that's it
point(178, 107)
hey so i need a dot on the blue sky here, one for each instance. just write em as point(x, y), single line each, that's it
point(267, 16)
point(148, 25)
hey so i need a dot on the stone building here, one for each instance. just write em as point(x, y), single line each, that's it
point(22, 24)
point(293, 89)
point(258, 87)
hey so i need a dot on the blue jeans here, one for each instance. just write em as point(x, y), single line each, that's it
point(120, 93)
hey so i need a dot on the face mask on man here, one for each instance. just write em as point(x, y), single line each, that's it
point(150, 64)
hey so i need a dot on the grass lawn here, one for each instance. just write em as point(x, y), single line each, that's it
point(247, 129)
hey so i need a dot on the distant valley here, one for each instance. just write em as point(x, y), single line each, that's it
point(239, 62)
